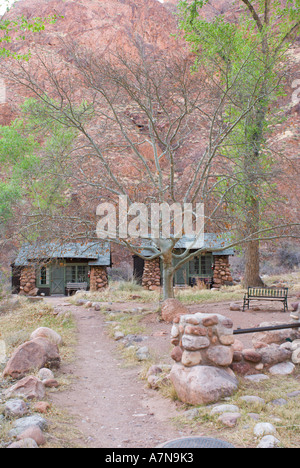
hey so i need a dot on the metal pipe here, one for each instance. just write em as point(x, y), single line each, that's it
point(241, 331)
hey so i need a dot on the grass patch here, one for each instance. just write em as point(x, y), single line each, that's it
point(128, 324)
point(290, 280)
point(62, 430)
point(130, 292)
point(194, 296)
point(16, 326)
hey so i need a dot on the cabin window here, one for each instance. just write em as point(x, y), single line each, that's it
point(201, 266)
point(77, 273)
point(44, 276)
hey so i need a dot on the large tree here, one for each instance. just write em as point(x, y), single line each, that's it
point(145, 128)
point(269, 28)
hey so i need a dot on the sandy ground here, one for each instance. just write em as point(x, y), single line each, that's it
point(111, 405)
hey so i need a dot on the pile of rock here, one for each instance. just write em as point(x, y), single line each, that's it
point(28, 282)
point(41, 350)
point(203, 354)
point(275, 351)
point(27, 431)
point(151, 275)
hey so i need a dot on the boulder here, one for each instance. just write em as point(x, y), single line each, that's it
point(191, 358)
point(296, 356)
point(49, 334)
point(283, 368)
point(229, 419)
point(45, 374)
point(220, 355)
point(15, 408)
point(32, 355)
point(24, 443)
point(21, 425)
point(42, 407)
point(268, 441)
point(176, 353)
point(30, 387)
point(200, 385)
point(172, 308)
point(33, 432)
point(274, 354)
point(275, 336)
point(263, 429)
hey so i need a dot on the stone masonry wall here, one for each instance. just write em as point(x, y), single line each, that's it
point(151, 275)
point(203, 339)
point(28, 282)
point(222, 272)
point(98, 278)
point(203, 354)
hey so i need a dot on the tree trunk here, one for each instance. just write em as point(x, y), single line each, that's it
point(252, 261)
point(168, 276)
point(251, 276)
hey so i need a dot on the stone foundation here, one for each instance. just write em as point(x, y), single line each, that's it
point(222, 274)
point(98, 278)
point(151, 275)
point(28, 282)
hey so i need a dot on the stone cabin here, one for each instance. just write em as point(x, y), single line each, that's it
point(50, 268)
point(211, 268)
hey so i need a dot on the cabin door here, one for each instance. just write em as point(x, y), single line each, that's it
point(57, 280)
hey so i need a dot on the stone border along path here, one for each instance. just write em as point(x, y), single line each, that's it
point(112, 406)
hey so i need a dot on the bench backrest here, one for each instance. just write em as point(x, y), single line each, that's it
point(76, 285)
point(268, 292)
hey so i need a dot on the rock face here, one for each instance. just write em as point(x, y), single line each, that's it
point(200, 385)
point(31, 355)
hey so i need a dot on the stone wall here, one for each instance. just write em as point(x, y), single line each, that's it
point(204, 339)
point(28, 282)
point(151, 275)
point(272, 351)
point(222, 273)
point(98, 278)
point(203, 354)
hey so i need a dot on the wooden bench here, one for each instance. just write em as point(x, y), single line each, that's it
point(266, 294)
point(76, 287)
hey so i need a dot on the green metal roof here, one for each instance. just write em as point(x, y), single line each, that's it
point(97, 253)
point(214, 243)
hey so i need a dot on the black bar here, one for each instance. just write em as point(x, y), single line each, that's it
point(241, 331)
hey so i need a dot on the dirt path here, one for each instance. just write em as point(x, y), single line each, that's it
point(112, 406)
